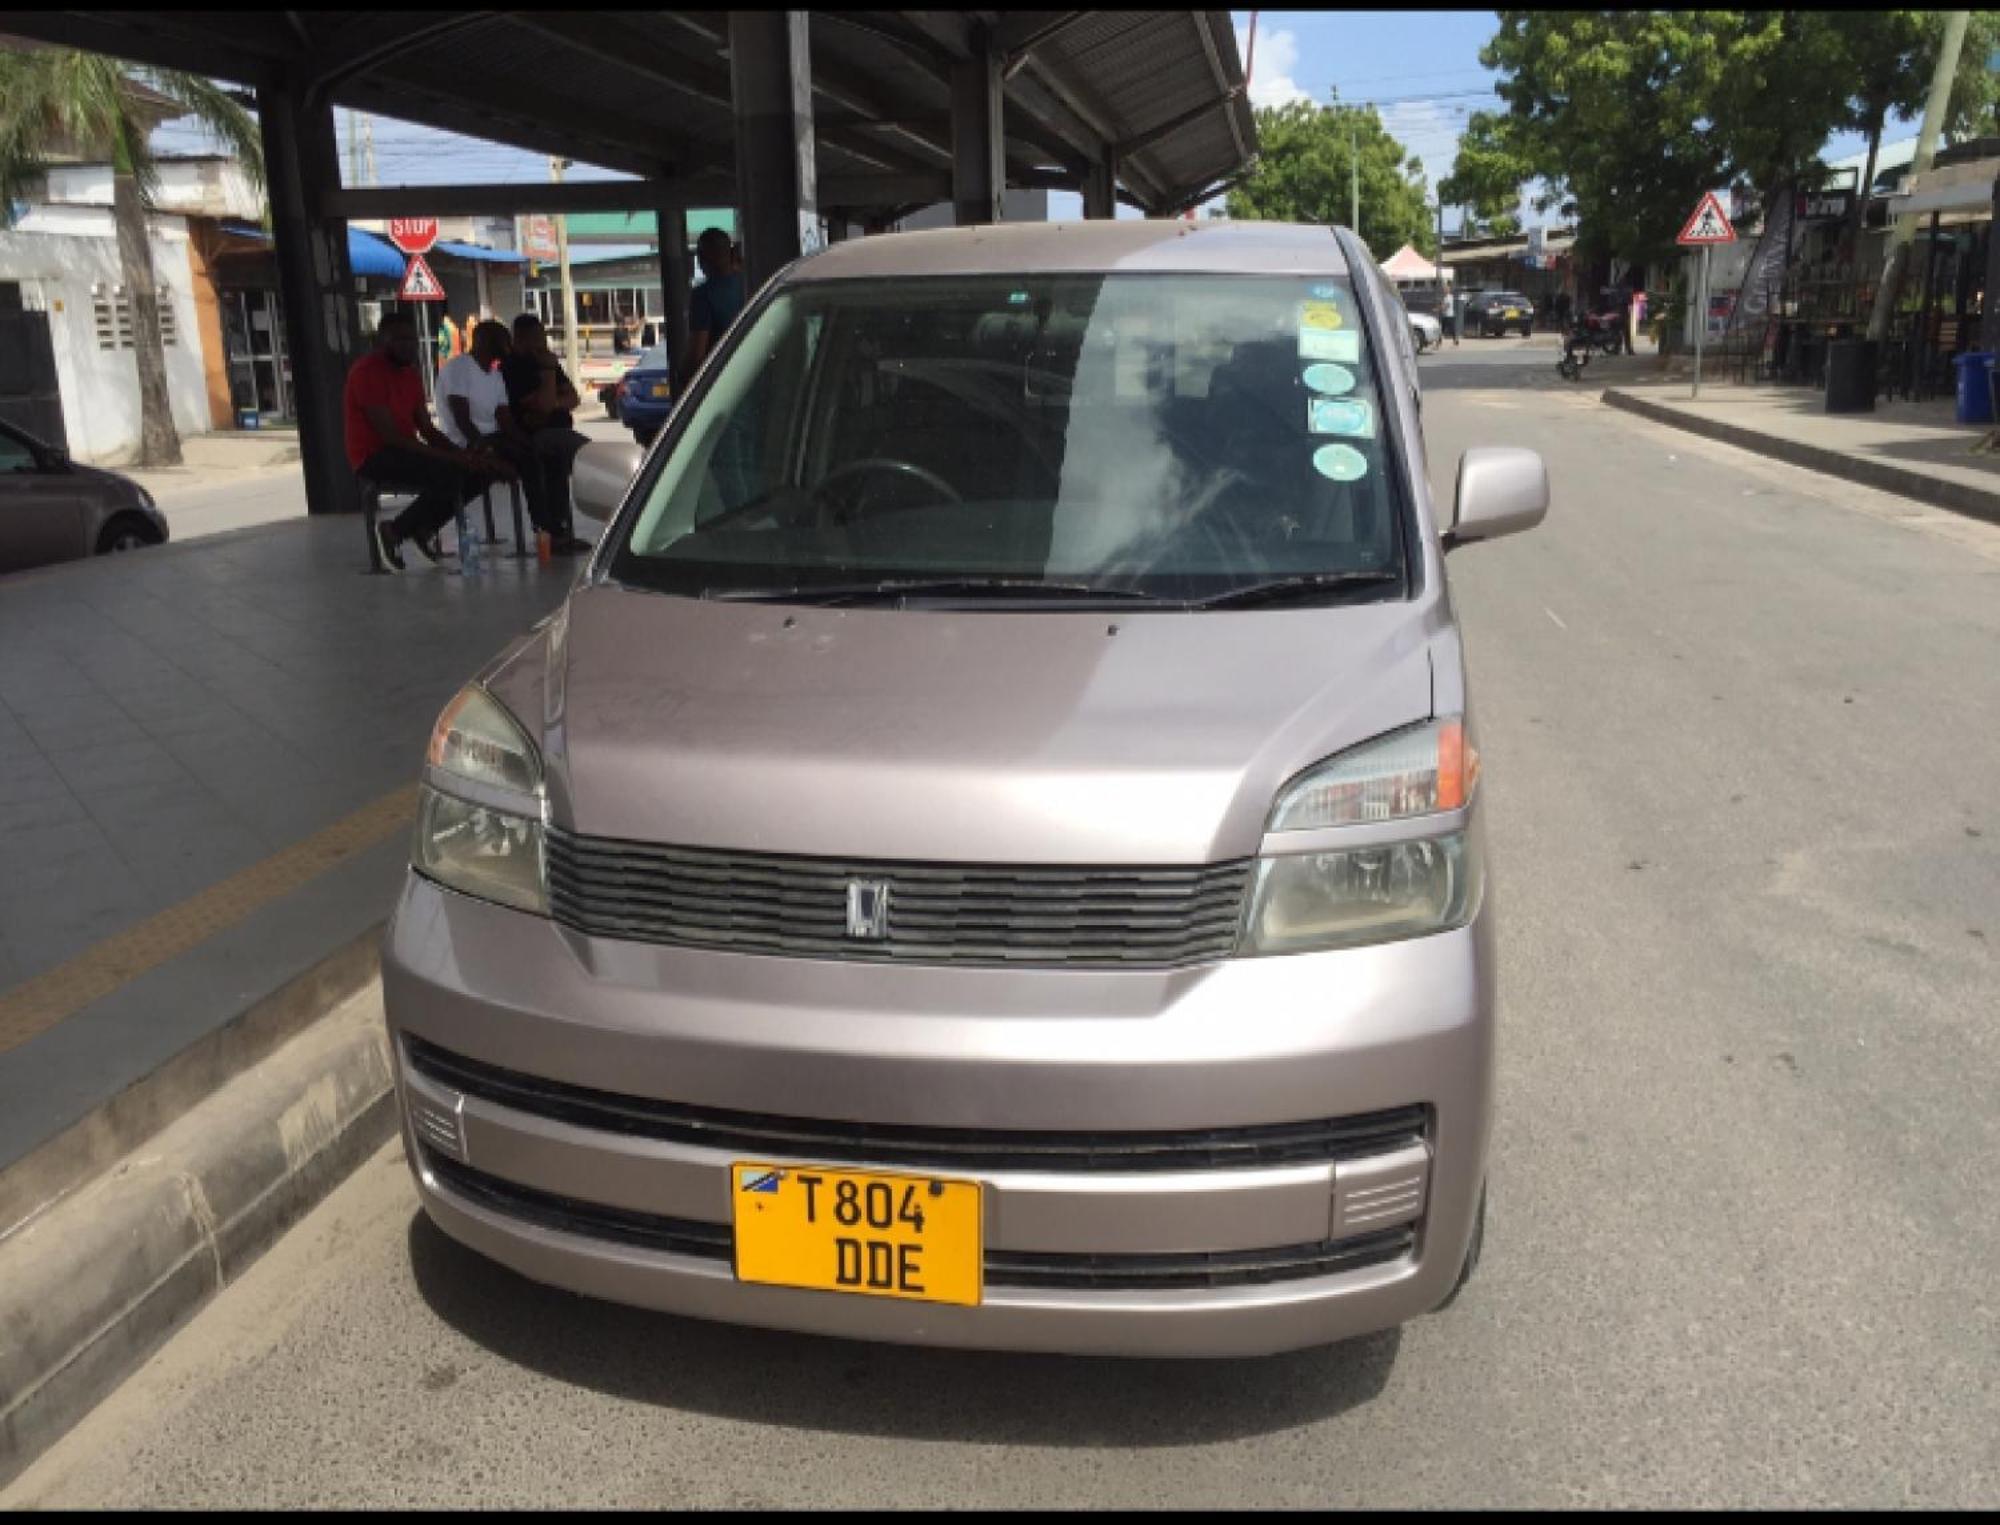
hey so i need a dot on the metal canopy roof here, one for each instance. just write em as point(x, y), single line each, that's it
point(648, 92)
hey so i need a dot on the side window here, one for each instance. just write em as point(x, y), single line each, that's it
point(15, 456)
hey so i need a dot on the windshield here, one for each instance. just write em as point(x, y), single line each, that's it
point(1178, 437)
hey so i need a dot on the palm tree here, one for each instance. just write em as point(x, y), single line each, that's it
point(57, 103)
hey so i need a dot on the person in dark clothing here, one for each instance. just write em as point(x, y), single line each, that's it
point(719, 297)
point(542, 400)
point(391, 439)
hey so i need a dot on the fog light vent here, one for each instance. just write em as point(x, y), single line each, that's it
point(440, 1124)
point(1381, 1191)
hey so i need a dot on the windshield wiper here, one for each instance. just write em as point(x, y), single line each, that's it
point(918, 587)
point(1299, 589)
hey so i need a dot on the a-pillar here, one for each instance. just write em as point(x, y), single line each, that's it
point(1100, 188)
point(676, 283)
point(322, 326)
point(770, 81)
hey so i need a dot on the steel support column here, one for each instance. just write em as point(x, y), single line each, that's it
point(777, 197)
point(1100, 188)
point(676, 283)
point(322, 329)
point(978, 165)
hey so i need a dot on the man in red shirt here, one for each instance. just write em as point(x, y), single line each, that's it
point(390, 438)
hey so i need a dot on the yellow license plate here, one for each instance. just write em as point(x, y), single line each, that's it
point(659, 389)
point(914, 1237)
point(1513, 312)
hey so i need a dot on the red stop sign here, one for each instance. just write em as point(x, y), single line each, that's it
point(413, 235)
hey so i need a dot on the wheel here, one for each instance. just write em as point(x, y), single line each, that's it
point(611, 406)
point(644, 438)
point(126, 532)
point(1471, 1255)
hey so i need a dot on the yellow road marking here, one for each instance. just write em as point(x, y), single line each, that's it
point(33, 1007)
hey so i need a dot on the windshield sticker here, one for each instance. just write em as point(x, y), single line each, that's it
point(1343, 345)
point(1321, 315)
point(1340, 463)
point(1322, 293)
point(1341, 415)
point(1329, 380)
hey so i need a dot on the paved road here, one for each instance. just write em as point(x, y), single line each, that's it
point(1740, 724)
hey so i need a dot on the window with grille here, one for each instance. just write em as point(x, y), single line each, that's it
point(111, 309)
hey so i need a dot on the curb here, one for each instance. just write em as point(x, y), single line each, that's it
point(102, 1279)
point(1959, 497)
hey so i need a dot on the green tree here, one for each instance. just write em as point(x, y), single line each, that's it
point(1303, 175)
point(57, 102)
point(1887, 57)
point(1487, 176)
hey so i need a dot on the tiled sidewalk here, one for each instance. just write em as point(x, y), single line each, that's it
point(174, 718)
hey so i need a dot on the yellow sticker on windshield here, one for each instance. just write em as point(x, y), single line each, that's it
point(1321, 315)
point(1343, 345)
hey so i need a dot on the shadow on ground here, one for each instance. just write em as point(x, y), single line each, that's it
point(849, 1387)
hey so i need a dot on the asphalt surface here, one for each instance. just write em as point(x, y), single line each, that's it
point(1740, 734)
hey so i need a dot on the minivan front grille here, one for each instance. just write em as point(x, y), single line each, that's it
point(1003, 1268)
point(976, 1151)
point(996, 915)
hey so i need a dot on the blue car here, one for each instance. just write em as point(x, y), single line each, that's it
point(645, 395)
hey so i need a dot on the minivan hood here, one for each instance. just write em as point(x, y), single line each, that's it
point(951, 736)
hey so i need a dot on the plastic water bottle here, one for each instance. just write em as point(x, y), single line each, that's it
point(468, 546)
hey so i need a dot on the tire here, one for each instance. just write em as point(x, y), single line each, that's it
point(126, 532)
point(611, 407)
point(644, 438)
point(1471, 1255)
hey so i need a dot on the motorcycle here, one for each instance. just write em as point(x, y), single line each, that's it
point(1590, 334)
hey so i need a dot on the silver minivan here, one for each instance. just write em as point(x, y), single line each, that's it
point(989, 851)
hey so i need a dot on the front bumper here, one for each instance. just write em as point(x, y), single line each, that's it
point(1168, 1257)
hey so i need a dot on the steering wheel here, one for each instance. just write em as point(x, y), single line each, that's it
point(880, 463)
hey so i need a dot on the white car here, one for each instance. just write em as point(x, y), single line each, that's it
point(1425, 331)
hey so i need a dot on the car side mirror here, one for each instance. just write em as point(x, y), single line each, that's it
point(602, 472)
point(55, 458)
point(1502, 490)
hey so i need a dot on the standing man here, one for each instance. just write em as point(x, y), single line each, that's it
point(390, 437)
point(542, 399)
point(1454, 307)
point(716, 301)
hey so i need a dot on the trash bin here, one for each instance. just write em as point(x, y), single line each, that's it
point(1975, 402)
point(1850, 376)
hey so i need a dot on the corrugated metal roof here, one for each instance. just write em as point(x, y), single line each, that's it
point(644, 91)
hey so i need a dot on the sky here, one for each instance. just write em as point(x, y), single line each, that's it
point(1421, 69)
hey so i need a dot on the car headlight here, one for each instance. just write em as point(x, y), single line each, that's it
point(479, 811)
point(1375, 891)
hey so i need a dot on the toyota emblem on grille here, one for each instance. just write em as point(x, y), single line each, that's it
point(867, 908)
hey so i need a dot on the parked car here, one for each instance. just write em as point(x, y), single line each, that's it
point(989, 851)
point(645, 396)
point(1492, 313)
point(1426, 331)
point(52, 509)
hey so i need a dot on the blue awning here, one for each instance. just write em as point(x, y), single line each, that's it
point(369, 255)
point(366, 253)
point(474, 251)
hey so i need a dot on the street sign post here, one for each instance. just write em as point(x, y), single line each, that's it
point(1708, 227)
point(419, 285)
point(413, 235)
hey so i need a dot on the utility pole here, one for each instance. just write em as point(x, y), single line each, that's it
point(1903, 229)
point(353, 152)
point(368, 147)
point(1440, 262)
point(570, 351)
point(1353, 179)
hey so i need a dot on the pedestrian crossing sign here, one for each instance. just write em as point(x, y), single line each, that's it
point(419, 285)
point(1709, 225)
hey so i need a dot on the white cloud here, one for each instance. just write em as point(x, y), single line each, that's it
point(1271, 82)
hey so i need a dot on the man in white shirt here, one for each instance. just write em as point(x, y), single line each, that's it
point(470, 394)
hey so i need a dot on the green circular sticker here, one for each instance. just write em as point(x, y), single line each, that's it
point(1330, 380)
point(1340, 463)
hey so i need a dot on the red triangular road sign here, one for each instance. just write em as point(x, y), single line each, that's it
point(419, 285)
point(1709, 225)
